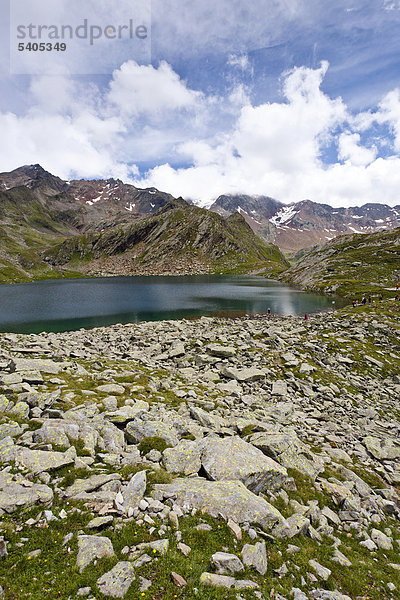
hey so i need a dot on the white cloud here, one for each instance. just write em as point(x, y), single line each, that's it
point(275, 149)
point(143, 90)
point(225, 145)
point(351, 150)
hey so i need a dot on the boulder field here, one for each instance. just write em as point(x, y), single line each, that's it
point(248, 458)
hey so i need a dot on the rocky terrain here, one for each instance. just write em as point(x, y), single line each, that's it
point(208, 459)
point(351, 266)
point(305, 224)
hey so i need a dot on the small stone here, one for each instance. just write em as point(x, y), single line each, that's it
point(234, 527)
point(226, 564)
point(322, 572)
point(178, 580)
point(184, 548)
point(217, 580)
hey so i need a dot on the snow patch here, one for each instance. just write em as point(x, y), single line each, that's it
point(284, 215)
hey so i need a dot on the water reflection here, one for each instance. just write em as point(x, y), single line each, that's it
point(71, 304)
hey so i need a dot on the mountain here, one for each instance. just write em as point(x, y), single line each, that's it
point(351, 265)
point(180, 238)
point(39, 211)
point(305, 224)
point(91, 202)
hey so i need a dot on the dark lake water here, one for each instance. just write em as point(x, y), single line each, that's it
point(64, 305)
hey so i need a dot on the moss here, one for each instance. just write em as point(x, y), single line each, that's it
point(152, 443)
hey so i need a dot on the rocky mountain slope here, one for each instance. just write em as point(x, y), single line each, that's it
point(179, 239)
point(304, 224)
point(210, 459)
point(39, 211)
point(351, 265)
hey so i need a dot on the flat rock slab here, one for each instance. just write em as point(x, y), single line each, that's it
point(382, 449)
point(92, 547)
point(90, 484)
point(16, 492)
point(243, 375)
point(117, 582)
point(286, 449)
point(221, 351)
point(37, 461)
point(128, 413)
point(111, 388)
point(28, 365)
point(137, 430)
point(234, 459)
point(228, 498)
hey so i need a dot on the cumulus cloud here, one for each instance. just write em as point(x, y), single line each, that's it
point(276, 148)
point(351, 150)
point(144, 90)
point(150, 115)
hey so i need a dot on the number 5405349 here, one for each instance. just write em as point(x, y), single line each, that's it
point(42, 47)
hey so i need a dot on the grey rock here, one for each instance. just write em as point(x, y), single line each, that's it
point(381, 540)
point(217, 580)
point(135, 490)
point(226, 564)
point(322, 572)
point(117, 582)
point(137, 430)
point(255, 557)
point(234, 459)
point(286, 449)
point(382, 448)
point(92, 547)
point(229, 498)
point(37, 461)
point(16, 492)
point(184, 458)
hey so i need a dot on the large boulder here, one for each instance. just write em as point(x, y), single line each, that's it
point(39, 364)
point(92, 547)
point(231, 499)
point(382, 448)
point(234, 459)
point(286, 449)
point(184, 458)
point(117, 582)
point(37, 461)
point(16, 492)
point(137, 430)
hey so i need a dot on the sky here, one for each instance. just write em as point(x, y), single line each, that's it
point(293, 99)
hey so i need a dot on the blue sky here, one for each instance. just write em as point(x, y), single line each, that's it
point(292, 98)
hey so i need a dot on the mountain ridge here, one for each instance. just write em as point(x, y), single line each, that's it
point(40, 212)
